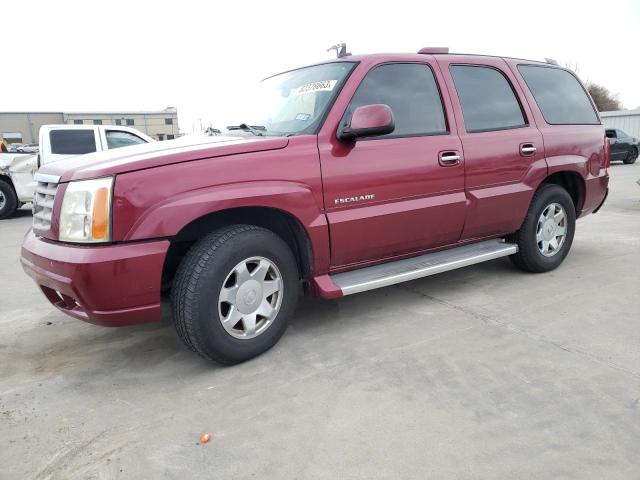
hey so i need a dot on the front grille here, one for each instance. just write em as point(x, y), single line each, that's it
point(43, 204)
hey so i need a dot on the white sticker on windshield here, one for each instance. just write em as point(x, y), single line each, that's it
point(321, 86)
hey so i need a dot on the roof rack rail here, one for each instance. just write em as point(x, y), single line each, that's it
point(432, 50)
point(551, 61)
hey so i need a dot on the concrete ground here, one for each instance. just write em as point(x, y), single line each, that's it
point(485, 372)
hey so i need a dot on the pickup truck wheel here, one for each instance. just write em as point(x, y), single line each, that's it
point(547, 232)
point(8, 200)
point(632, 156)
point(234, 292)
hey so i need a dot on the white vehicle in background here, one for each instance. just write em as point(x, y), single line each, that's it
point(57, 142)
point(29, 148)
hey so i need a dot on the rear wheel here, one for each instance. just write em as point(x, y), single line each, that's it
point(234, 293)
point(547, 232)
point(8, 200)
point(632, 156)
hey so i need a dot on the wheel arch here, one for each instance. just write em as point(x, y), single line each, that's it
point(7, 179)
point(573, 183)
point(282, 223)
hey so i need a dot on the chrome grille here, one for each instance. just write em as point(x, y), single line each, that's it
point(43, 200)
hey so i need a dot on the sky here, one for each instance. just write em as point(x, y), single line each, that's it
point(204, 56)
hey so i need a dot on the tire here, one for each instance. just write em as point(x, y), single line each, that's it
point(549, 198)
point(8, 200)
point(632, 156)
point(211, 269)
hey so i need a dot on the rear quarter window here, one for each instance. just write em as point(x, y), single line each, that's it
point(559, 95)
point(72, 142)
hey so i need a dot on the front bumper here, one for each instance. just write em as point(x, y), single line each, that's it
point(112, 285)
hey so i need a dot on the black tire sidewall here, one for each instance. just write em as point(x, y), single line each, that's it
point(528, 245)
point(632, 156)
point(212, 336)
point(11, 200)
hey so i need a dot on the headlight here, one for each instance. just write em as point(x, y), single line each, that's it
point(85, 216)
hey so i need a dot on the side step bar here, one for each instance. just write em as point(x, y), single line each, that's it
point(386, 274)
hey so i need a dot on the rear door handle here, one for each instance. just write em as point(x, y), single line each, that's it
point(449, 159)
point(527, 149)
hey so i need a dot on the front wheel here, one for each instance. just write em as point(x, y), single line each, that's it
point(234, 293)
point(546, 235)
point(8, 200)
point(632, 156)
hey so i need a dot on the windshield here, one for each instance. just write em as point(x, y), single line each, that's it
point(294, 102)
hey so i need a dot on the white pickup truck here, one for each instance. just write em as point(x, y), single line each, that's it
point(17, 185)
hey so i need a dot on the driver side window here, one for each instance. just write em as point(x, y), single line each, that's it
point(117, 139)
point(411, 91)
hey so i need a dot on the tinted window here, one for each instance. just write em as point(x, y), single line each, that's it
point(561, 98)
point(410, 90)
point(97, 122)
point(487, 100)
point(72, 142)
point(116, 139)
point(168, 121)
point(610, 133)
point(78, 122)
point(129, 121)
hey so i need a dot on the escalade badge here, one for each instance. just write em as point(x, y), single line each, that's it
point(359, 198)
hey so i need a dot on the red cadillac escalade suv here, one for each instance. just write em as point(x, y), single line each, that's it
point(344, 176)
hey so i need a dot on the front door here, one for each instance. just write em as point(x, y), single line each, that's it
point(394, 194)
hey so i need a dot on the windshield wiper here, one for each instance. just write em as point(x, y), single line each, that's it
point(257, 130)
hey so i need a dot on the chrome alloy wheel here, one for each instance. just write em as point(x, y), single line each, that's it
point(250, 298)
point(551, 230)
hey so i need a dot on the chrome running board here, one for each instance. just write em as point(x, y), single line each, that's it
point(386, 274)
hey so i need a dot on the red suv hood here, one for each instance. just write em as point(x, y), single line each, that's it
point(139, 157)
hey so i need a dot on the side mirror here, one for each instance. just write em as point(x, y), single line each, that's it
point(368, 121)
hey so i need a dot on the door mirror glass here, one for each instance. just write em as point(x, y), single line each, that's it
point(368, 121)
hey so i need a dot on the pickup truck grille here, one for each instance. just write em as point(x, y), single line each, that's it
point(43, 202)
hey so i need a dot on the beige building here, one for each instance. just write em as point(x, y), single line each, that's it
point(23, 127)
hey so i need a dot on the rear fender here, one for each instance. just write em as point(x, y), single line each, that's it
point(571, 163)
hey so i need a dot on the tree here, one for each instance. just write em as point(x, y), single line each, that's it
point(605, 100)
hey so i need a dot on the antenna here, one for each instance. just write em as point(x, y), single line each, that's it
point(340, 48)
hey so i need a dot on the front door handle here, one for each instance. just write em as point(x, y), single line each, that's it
point(449, 159)
point(527, 149)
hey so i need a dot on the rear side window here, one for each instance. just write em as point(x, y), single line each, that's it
point(487, 99)
point(410, 90)
point(561, 98)
point(117, 139)
point(72, 142)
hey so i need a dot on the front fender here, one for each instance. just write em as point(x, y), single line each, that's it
point(171, 215)
point(168, 217)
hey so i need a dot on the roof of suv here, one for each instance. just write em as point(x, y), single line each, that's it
point(418, 56)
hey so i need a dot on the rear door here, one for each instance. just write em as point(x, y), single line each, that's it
point(616, 151)
point(503, 149)
point(393, 195)
point(65, 142)
point(622, 146)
